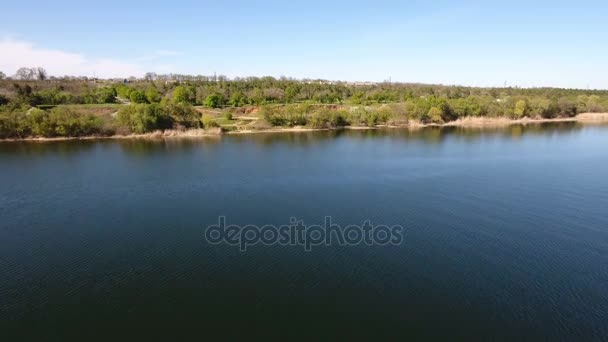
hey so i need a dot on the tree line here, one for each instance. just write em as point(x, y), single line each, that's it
point(166, 101)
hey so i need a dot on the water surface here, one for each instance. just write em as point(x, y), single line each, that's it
point(506, 235)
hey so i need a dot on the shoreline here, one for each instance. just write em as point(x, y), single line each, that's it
point(469, 122)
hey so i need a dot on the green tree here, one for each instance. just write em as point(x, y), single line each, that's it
point(435, 115)
point(182, 114)
point(566, 107)
point(138, 96)
point(214, 101)
point(291, 93)
point(238, 99)
point(39, 123)
point(184, 94)
point(105, 95)
point(209, 121)
point(521, 109)
point(153, 95)
point(142, 118)
point(69, 123)
point(257, 96)
point(124, 91)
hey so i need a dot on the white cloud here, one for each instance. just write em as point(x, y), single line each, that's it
point(15, 54)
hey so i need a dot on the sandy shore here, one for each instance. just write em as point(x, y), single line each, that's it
point(497, 122)
point(215, 132)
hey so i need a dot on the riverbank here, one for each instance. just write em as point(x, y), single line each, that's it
point(477, 122)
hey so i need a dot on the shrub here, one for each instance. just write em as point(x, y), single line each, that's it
point(214, 101)
point(434, 116)
point(39, 123)
point(142, 118)
point(13, 124)
point(209, 121)
point(566, 107)
point(153, 95)
point(182, 114)
point(184, 94)
point(320, 118)
point(68, 123)
point(521, 109)
point(286, 116)
point(545, 108)
point(273, 116)
point(238, 99)
point(103, 95)
point(138, 96)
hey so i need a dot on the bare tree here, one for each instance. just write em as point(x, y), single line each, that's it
point(150, 76)
point(2, 76)
point(41, 74)
point(25, 74)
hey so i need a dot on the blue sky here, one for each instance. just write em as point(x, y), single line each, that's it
point(524, 43)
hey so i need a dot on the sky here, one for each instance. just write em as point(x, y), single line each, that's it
point(473, 43)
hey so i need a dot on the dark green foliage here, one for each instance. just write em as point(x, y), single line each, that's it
point(209, 122)
point(67, 123)
point(378, 103)
point(138, 96)
point(464, 107)
point(281, 116)
point(59, 122)
point(238, 99)
point(327, 118)
point(153, 95)
point(183, 115)
point(13, 124)
point(105, 95)
point(142, 118)
point(123, 91)
point(75, 121)
point(214, 101)
point(184, 94)
point(567, 107)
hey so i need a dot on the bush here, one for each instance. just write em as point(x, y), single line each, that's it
point(13, 124)
point(566, 107)
point(465, 107)
point(124, 91)
point(320, 119)
point(138, 96)
point(434, 116)
point(153, 95)
point(209, 121)
point(68, 123)
point(540, 107)
point(521, 109)
point(60, 121)
point(39, 123)
point(142, 118)
point(184, 94)
point(182, 114)
point(281, 116)
point(214, 101)
point(238, 99)
point(103, 95)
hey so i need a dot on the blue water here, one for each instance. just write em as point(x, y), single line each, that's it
point(506, 235)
